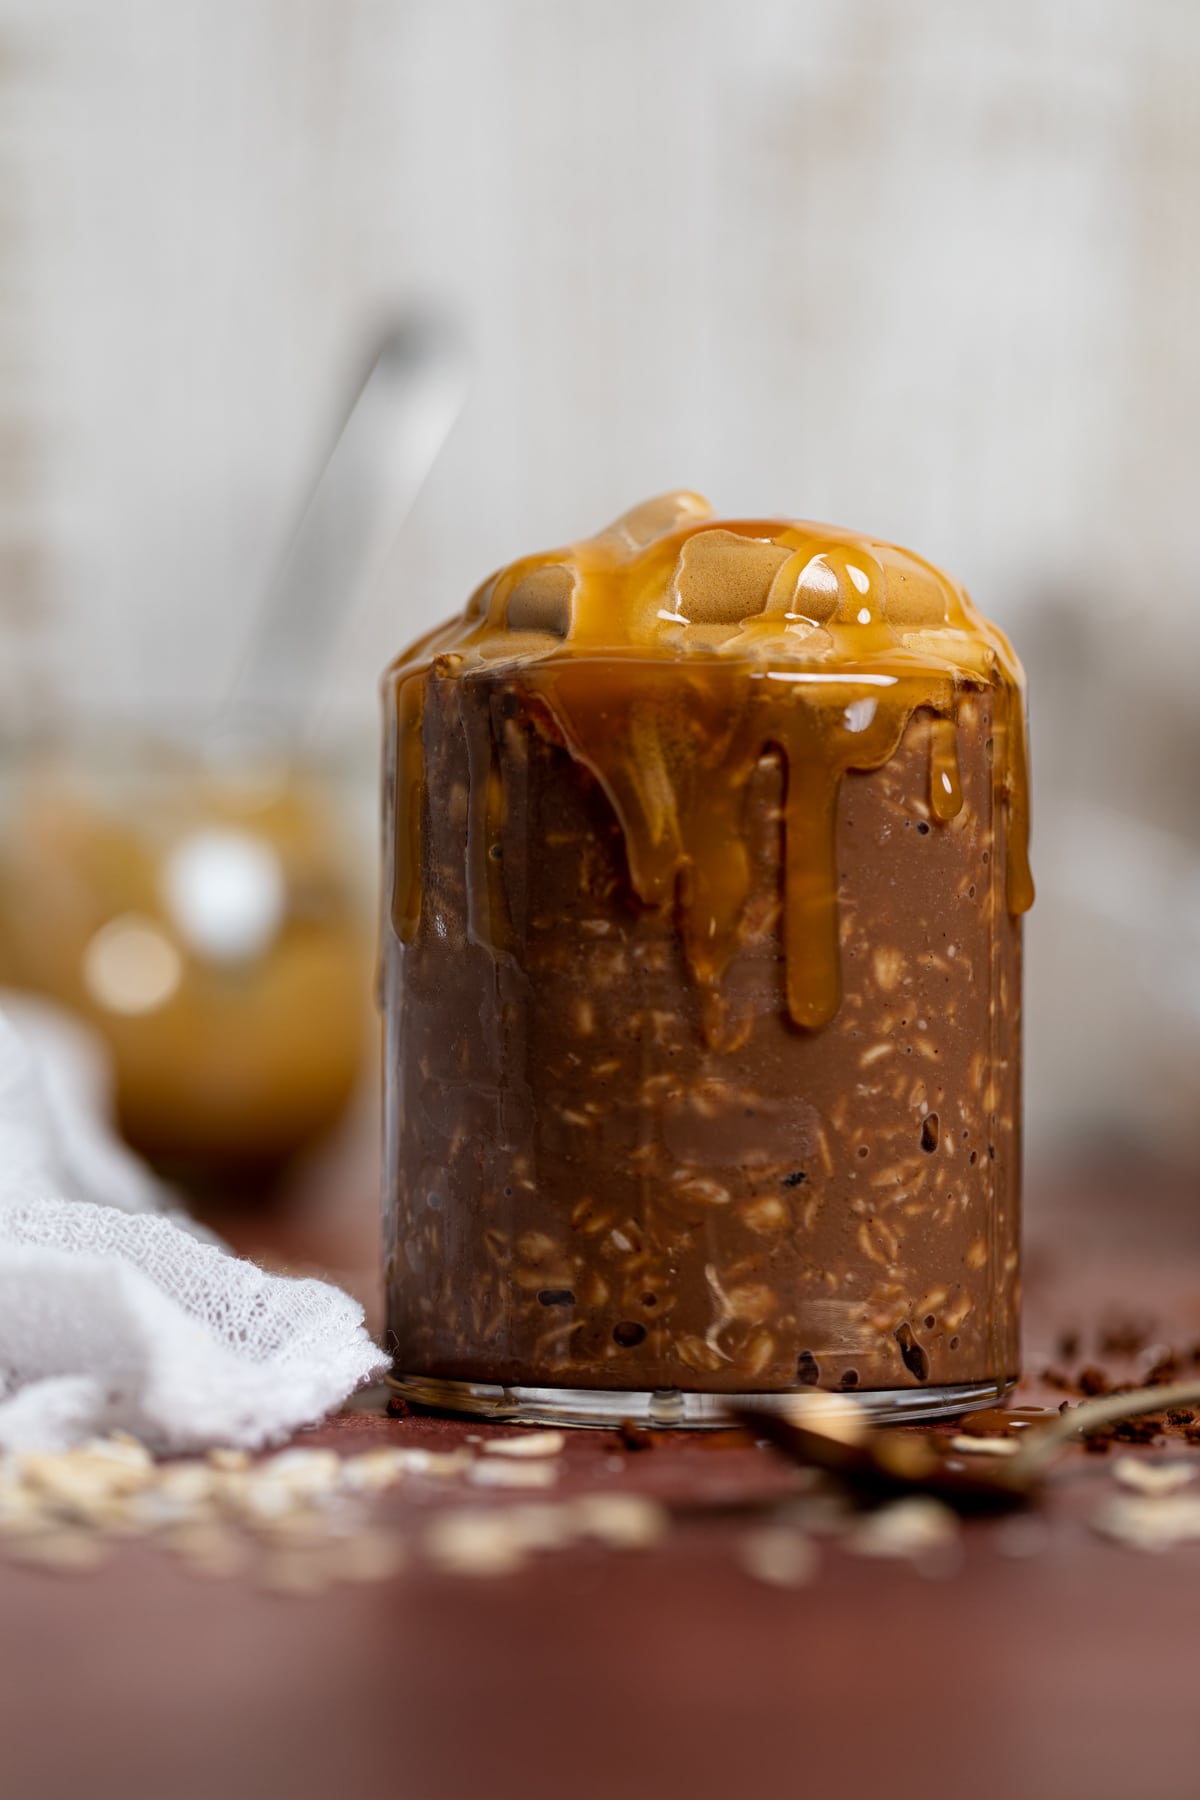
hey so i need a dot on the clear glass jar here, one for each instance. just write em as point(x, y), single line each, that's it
point(704, 865)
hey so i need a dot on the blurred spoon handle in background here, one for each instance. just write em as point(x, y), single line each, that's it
point(397, 424)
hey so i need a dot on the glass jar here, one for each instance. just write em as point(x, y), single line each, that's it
point(206, 918)
point(705, 854)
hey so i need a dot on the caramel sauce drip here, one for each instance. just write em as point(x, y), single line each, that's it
point(672, 652)
point(945, 787)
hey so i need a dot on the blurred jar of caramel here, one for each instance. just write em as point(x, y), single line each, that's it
point(207, 917)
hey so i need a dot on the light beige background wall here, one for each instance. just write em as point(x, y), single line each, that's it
point(912, 265)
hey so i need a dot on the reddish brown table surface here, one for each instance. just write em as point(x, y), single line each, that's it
point(1071, 1670)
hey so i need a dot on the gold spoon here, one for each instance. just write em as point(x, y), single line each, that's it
point(829, 1433)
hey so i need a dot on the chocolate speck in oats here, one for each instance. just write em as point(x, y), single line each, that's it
point(914, 1355)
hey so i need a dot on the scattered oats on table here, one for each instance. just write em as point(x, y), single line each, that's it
point(529, 1443)
point(778, 1555)
point(1149, 1522)
point(912, 1527)
point(505, 1474)
point(1148, 1476)
point(296, 1520)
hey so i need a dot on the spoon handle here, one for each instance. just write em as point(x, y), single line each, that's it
point(1041, 1444)
point(397, 424)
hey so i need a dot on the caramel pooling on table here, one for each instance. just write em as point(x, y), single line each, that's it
point(708, 842)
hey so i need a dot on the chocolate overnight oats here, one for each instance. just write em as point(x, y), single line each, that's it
point(705, 859)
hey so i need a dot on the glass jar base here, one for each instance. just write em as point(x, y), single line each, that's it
point(672, 1408)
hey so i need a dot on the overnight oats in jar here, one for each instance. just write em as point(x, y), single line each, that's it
point(706, 850)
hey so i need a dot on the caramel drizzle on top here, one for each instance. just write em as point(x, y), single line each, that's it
point(672, 651)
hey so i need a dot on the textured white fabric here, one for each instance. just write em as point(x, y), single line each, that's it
point(115, 1310)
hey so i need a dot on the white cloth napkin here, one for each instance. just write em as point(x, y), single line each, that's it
point(116, 1312)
